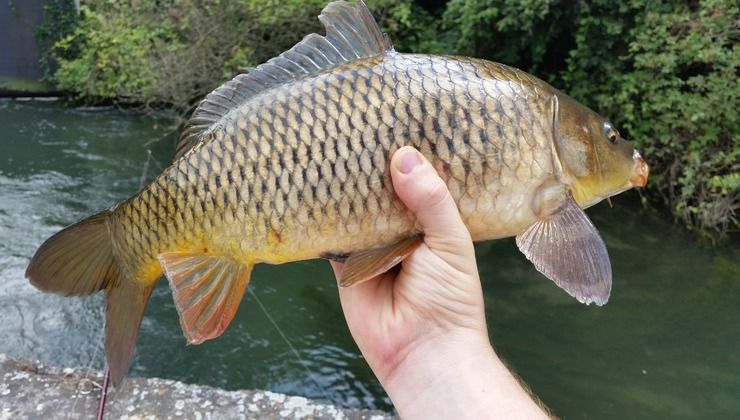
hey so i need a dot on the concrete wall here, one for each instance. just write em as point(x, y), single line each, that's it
point(19, 54)
point(30, 390)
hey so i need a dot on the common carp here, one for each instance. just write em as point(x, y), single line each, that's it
point(290, 162)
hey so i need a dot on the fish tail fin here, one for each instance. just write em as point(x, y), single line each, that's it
point(125, 306)
point(79, 261)
point(76, 261)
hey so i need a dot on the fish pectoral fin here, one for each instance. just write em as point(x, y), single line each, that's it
point(207, 291)
point(364, 265)
point(567, 249)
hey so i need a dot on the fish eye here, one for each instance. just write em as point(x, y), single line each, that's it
point(611, 133)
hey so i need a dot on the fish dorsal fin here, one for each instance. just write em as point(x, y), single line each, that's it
point(207, 291)
point(351, 34)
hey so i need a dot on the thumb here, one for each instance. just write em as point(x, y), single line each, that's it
point(425, 194)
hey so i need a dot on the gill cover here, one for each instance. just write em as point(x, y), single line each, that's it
point(596, 161)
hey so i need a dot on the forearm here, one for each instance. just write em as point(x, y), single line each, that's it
point(458, 380)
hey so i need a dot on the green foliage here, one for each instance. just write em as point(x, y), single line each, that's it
point(510, 31)
point(167, 55)
point(664, 71)
point(14, 9)
point(60, 20)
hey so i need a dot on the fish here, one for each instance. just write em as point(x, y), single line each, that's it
point(290, 162)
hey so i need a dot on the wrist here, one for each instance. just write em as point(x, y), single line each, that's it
point(433, 378)
point(457, 376)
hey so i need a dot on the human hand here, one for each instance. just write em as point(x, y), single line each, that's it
point(422, 329)
point(437, 291)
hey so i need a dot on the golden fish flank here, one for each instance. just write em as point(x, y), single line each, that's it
point(290, 162)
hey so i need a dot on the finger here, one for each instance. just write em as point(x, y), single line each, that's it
point(352, 297)
point(423, 192)
point(365, 302)
point(337, 267)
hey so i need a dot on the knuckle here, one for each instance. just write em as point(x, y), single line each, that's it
point(435, 193)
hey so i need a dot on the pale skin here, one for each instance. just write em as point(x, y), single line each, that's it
point(422, 329)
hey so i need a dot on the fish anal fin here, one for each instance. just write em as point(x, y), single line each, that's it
point(567, 248)
point(364, 265)
point(207, 291)
point(351, 34)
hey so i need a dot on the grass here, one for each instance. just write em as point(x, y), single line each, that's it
point(17, 85)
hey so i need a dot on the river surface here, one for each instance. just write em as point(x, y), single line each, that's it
point(667, 345)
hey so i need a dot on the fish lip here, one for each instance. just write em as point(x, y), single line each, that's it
point(640, 171)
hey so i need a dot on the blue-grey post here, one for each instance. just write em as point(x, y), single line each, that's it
point(19, 52)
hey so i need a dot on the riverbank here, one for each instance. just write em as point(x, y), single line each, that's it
point(31, 390)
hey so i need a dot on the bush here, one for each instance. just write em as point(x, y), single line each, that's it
point(60, 21)
point(664, 71)
point(531, 34)
point(169, 54)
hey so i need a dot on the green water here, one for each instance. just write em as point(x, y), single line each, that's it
point(666, 345)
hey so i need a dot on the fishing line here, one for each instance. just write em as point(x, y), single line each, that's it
point(104, 393)
point(155, 161)
point(89, 368)
point(144, 173)
point(302, 362)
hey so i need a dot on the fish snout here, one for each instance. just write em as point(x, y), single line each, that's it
point(640, 171)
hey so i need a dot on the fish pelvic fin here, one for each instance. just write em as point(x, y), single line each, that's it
point(80, 260)
point(364, 265)
point(207, 291)
point(567, 248)
point(351, 34)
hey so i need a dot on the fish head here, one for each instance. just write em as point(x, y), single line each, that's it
point(597, 162)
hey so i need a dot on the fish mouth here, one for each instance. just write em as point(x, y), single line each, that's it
point(640, 171)
point(639, 177)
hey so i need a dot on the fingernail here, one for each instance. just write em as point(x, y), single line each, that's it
point(409, 160)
